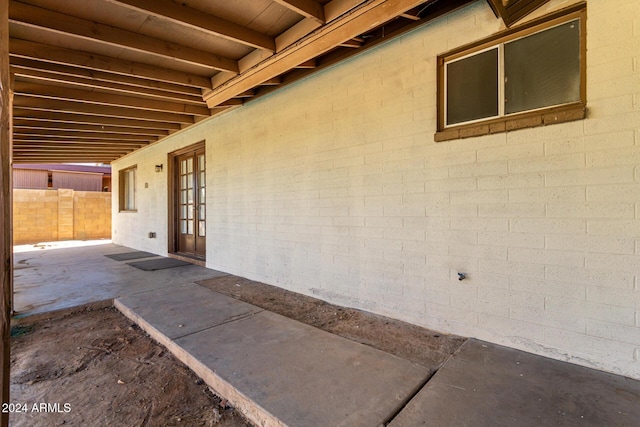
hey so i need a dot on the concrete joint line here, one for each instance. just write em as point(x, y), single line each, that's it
point(419, 388)
point(230, 320)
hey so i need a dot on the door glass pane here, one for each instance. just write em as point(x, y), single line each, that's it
point(190, 196)
point(183, 212)
point(183, 167)
point(183, 196)
point(189, 165)
point(189, 213)
point(202, 195)
point(201, 212)
point(201, 162)
point(183, 227)
point(189, 227)
point(201, 228)
point(543, 69)
point(472, 87)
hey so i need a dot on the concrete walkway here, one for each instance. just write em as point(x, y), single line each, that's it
point(281, 372)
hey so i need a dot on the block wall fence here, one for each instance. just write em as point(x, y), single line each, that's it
point(334, 187)
point(51, 215)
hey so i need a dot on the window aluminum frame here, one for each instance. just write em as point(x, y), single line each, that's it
point(529, 118)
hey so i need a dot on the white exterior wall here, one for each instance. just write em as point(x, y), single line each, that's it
point(334, 187)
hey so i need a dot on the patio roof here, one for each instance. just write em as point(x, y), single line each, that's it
point(94, 80)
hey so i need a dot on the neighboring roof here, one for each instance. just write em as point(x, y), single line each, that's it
point(105, 169)
point(98, 79)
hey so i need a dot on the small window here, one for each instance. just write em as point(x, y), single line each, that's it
point(529, 76)
point(128, 189)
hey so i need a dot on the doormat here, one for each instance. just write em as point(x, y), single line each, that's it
point(126, 256)
point(158, 264)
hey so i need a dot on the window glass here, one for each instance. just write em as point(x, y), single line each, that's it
point(529, 72)
point(128, 189)
point(472, 87)
point(543, 69)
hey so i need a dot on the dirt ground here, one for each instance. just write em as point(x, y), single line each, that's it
point(94, 367)
point(101, 370)
point(423, 346)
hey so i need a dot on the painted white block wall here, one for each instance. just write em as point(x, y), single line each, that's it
point(334, 187)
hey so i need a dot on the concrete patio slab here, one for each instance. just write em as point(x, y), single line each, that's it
point(276, 370)
point(61, 276)
point(489, 385)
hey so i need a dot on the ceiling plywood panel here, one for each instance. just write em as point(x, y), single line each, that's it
point(160, 28)
point(273, 21)
point(97, 11)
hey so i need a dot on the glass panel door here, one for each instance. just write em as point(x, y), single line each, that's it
point(190, 207)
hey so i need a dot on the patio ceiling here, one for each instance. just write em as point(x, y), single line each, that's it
point(97, 79)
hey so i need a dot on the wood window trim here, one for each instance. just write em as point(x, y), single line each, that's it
point(122, 191)
point(527, 119)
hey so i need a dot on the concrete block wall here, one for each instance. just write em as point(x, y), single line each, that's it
point(91, 215)
point(35, 216)
point(51, 215)
point(334, 187)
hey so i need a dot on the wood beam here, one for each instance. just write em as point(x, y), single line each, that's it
point(20, 133)
point(353, 43)
point(67, 149)
point(410, 16)
point(56, 74)
point(29, 16)
point(28, 124)
point(58, 55)
point(6, 248)
point(360, 20)
point(65, 158)
point(307, 64)
point(274, 81)
point(118, 151)
point(332, 10)
point(81, 148)
point(102, 98)
point(199, 20)
point(91, 119)
point(295, 33)
point(22, 139)
point(336, 8)
point(53, 105)
point(392, 29)
point(247, 94)
point(307, 8)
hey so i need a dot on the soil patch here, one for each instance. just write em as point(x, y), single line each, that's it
point(95, 367)
point(423, 346)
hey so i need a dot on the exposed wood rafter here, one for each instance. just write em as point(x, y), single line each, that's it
point(23, 15)
point(102, 78)
point(307, 8)
point(213, 25)
point(361, 20)
point(91, 61)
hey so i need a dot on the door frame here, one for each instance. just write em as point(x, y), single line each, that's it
point(172, 183)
